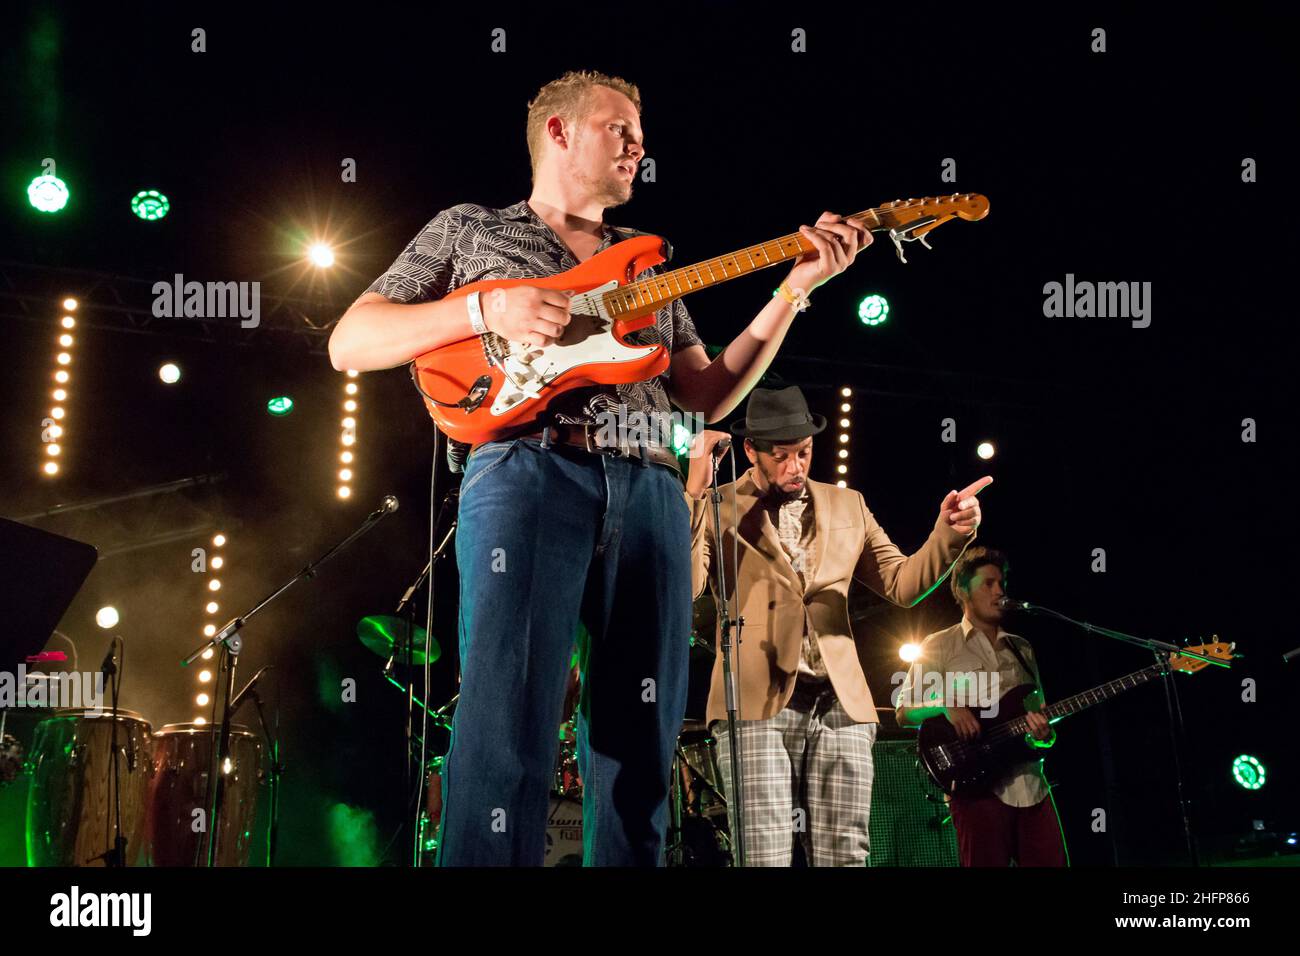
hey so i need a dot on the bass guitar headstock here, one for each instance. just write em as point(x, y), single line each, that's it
point(1216, 650)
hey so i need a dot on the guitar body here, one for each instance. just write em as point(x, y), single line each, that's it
point(499, 387)
point(973, 766)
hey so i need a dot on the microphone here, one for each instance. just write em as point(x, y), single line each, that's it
point(110, 659)
point(722, 447)
point(1009, 605)
point(239, 698)
point(386, 507)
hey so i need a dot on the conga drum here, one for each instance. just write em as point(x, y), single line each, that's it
point(71, 806)
point(182, 758)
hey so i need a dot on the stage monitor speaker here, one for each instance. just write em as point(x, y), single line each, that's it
point(910, 824)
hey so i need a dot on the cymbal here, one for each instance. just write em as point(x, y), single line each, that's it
point(388, 636)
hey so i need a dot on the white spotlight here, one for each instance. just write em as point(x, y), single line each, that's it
point(321, 255)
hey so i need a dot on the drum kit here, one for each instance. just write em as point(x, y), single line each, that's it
point(73, 810)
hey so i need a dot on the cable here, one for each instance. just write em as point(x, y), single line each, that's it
point(434, 514)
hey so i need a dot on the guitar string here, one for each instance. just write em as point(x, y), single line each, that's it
point(781, 242)
point(1004, 731)
point(962, 748)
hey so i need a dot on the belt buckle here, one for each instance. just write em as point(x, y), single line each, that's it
point(619, 452)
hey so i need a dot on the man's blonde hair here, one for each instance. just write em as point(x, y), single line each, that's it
point(570, 98)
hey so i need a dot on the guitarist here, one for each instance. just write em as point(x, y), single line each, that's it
point(1015, 820)
point(557, 524)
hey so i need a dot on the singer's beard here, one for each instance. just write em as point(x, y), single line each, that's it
point(777, 496)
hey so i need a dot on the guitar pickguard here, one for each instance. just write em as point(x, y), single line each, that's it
point(588, 339)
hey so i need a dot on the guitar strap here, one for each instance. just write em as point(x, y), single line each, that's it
point(1031, 671)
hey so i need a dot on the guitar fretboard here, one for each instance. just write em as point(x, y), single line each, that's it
point(1072, 705)
point(651, 293)
point(1078, 702)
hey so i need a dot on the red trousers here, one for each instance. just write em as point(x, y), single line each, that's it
point(990, 833)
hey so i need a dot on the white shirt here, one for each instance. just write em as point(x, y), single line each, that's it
point(965, 649)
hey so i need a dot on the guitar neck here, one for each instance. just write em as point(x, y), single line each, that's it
point(1102, 692)
point(651, 293)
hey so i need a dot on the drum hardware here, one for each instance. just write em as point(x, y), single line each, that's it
point(275, 767)
point(406, 643)
point(11, 753)
point(441, 717)
point(115, 855)
point(698, 809)
point(228, 641)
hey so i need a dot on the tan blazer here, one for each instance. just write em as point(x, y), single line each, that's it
point(850, 544)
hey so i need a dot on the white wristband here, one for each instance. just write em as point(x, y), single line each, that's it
point(475, 314)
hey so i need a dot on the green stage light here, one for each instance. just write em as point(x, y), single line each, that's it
point(280, 405)
point(682, 439)
point(48, 193)
point(1248, 772)
point(873, 310)
point(150, 204)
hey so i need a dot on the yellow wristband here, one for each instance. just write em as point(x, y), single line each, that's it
point(798, 302)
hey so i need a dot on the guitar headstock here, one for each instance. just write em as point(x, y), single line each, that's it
point(908, 220)
point(968, 206)
point(1217, 650)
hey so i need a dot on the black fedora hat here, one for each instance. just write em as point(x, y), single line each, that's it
point(778, 415)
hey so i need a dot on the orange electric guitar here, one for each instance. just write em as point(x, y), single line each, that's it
point(484, 387)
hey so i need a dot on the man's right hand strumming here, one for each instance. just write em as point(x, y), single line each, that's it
point(700, 473)
point(376, 333)
point(963, 721)
point(533, 317)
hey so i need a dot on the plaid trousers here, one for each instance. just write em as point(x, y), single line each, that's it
point(807, 773)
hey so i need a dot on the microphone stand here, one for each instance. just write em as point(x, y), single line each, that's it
point(406, 607)
point(277, 770)
point(230, 641)
point(273, 752)
point(116, 856)
point(729, 683)
point(1177, 732)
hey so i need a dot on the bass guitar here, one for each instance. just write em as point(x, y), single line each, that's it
point(972, 766)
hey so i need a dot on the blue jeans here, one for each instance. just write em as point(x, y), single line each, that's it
point(547, 535)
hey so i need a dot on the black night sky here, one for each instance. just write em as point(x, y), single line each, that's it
point(1122, 166)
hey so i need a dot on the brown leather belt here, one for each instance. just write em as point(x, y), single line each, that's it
point(586, 437)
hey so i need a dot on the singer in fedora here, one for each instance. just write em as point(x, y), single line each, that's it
point(807, 720)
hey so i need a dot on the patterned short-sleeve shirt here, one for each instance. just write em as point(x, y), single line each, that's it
point(468, 242)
